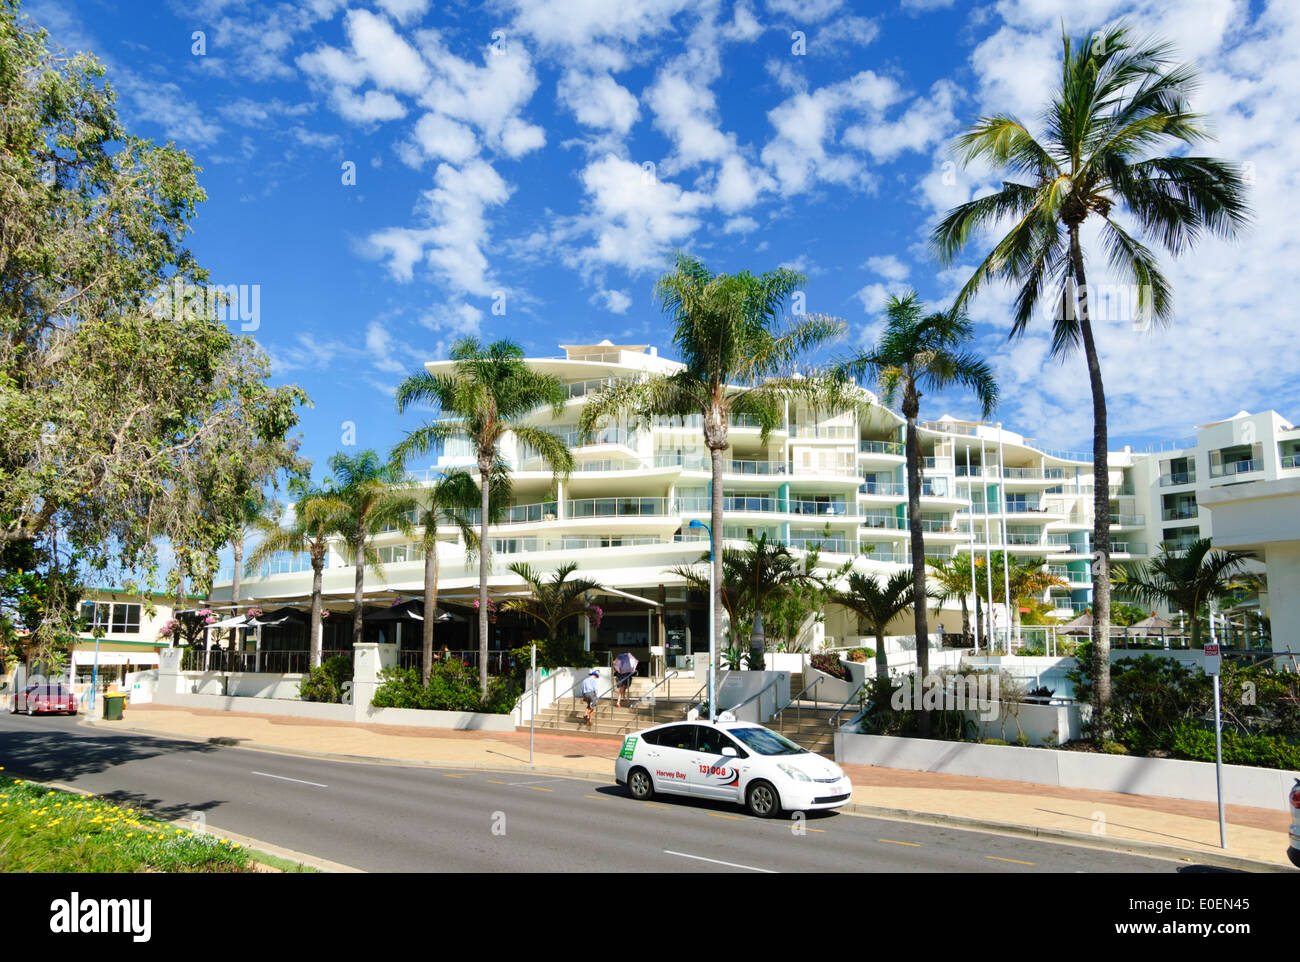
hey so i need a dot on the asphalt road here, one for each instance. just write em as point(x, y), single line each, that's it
point(393, 818)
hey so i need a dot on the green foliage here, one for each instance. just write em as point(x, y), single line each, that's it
point(830, 665)
point(1196, 742)
point(327, 683)
point(1160, 706)
point(566, 652)
point(453, 686)
point(127, 417)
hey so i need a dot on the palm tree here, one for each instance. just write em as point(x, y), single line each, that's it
point(737, 360)
point(878, 604)
point(308, 531)
point(922, 350)
point(953, 580)
point(489, 393)
point(1028, 578)
point(367, 490)
point(1184, 580)
point(1119, 102)
point(552, 602)
point(448, 499)
point(754, 577)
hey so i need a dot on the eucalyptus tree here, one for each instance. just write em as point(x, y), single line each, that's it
point(919, 350)
point(1185, 580)
point(309, 529)
point(488, 393)
point(1111, 153)
point(372, 497)
point(738, 358)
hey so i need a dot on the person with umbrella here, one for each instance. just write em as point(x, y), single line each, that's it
point(624, 668)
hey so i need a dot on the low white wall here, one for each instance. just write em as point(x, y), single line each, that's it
point(1041, 724)
point(832, 690)
point(241, 684)
point(736, 686)
point(465, 720)
point(141, 685)
point(260, 706)
point(1162, 777)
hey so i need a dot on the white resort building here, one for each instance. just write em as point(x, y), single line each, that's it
point(833, 482)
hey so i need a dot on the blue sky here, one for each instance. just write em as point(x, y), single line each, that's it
point(548, 156)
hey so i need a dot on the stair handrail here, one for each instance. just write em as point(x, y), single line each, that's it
point(692, 703)
point(780, 714)
point(646, 694)
point(758, 694)
point(851, 699)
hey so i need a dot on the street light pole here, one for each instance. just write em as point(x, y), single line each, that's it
point(713, 591)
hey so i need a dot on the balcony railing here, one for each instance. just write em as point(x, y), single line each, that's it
point(832, 431)
point(1128, 520)
point(1179, 514)
point(1181, 477)
point(892, 448)
point(1177, 545)
point(756, 467)
point(1230, 468)
point(888, 489)
point(1291, 460)
point(577, 389)
point(619, 507)
point(520, 513)
point(1127, 547)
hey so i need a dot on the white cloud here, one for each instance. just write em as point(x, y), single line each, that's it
point(805, 11)
point(635, 218)
point(386, 58)
point(923, 124)
point(441, 138)
point(740, 225)
point(405, 11)
point(805, 122)
point(598, 101)
point(616, 302)
point(888, 266)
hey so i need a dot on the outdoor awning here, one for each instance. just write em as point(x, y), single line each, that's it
point(273, 619)
point(116, 658)
point(625, 594)
point(239, 621)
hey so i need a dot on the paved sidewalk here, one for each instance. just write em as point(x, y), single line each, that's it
point(1106, 819)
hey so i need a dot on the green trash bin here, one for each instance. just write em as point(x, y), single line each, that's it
point(113, 704)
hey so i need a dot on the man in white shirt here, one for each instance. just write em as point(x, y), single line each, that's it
point(591, 693)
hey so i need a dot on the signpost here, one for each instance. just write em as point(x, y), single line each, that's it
point(1212, 662)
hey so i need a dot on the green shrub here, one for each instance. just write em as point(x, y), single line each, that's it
point(453, 686)
point(328, 682)
point(551, 653)
point(1196, 743)
point(830, 665)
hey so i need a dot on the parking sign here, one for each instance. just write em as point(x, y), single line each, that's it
point(1212, 659)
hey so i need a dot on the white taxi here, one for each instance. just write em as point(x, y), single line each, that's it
point(1293, 848)
point(731, 761)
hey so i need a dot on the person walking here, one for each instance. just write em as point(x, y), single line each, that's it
point(624, 670)
point(591, 694)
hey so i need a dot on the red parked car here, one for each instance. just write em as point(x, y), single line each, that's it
point(44, 697)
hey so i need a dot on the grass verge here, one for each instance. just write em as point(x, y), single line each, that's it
point(47, 830)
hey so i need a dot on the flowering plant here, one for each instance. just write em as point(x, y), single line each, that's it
point(596, 614)
point(254, 612)
point(491, 610)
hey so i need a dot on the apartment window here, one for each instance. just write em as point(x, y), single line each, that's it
point(1177, 471)
point(114, 619)
point(1178, 507)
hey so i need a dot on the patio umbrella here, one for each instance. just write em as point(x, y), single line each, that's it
point(406, 611)
point(1153, 626)
point(625, 663)
point(281, 616)
point(1079, 626)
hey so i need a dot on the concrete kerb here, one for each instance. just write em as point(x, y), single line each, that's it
point(244, 841)
point(964, 822)
point(1106, 843)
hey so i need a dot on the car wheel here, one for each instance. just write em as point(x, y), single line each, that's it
point(762, 800)
point(640, 785)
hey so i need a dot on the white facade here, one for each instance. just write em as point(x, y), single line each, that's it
point(836, 482)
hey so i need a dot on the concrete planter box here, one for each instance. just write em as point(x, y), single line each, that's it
point(259, 706)
point(831, 690)
point(1163, 777)
point(1041, 724)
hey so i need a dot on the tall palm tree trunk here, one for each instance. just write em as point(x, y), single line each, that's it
point(715, 524)
point(430, 607)
point(1101, 504)
point(317, 574)
point(484, 473)
point(911, 407)
point(358, 593)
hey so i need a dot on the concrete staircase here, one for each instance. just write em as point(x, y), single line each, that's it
point(805, 725)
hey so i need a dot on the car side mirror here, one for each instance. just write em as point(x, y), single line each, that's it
point(728, 750)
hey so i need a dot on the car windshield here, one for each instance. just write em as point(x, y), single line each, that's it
point(764, 742)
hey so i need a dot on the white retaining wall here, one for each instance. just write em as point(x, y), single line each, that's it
point(1163, 777)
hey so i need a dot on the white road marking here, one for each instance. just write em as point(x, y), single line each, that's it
point(285, 778)
point(716, 861)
